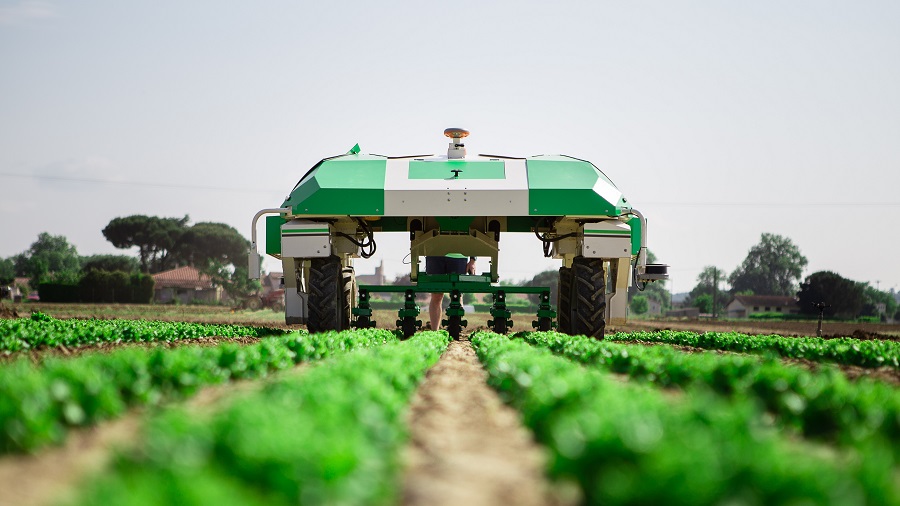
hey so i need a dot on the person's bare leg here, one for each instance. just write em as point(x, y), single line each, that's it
point(434, 310)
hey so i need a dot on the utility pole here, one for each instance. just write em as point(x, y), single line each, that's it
point(715, 290)
point(821, 307)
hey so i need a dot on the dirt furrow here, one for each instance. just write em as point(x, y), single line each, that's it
point(45, 477)
point(467, 447)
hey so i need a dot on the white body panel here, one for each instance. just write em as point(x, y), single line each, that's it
point(455, 197)
point(305, 239)
point(607, 239)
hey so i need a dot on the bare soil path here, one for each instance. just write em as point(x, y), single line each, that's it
point(43, 478)
point(467, 447)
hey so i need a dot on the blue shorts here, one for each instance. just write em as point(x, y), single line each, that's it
point(445, 265)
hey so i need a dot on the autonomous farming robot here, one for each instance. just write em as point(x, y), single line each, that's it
point(462, 204)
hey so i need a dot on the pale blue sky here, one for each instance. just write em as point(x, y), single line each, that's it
point(718, 120)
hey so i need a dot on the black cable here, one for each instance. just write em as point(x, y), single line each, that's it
point(367, 246)
point(639, 285)
point(548, 241)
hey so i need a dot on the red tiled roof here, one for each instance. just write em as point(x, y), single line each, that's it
point(182, 277)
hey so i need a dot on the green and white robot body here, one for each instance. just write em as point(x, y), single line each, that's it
point(457, 204)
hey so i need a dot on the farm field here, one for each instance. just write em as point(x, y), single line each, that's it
point(789, 328)
point(237, 412)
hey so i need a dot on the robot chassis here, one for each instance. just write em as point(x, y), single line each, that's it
point(456, 204)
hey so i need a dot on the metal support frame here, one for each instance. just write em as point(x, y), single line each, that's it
point(363, 312)
point(455, 309)
point(546, 315)
point(455, 285)
point(499, 310)
point(472, 243)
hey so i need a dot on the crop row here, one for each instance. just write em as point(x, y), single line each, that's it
point(39, 403)
point(331, 435)
point(823, 405)
point(845, 350)
point(41, 330)
point(628, 443)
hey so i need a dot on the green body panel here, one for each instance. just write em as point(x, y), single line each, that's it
point(636, 232)
point(560, 185)
point(273, 234)
point(519, 223)
point(347, 185)
point(468, 170)
point(354, 185)
point(306, 231)
point(454, 223)
point(390, 224)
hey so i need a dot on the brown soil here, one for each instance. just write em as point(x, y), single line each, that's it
point(8, 311)
point(852, 372)
point(466, 446)
point(40, 354)
point(42, 478)
point(786, 328)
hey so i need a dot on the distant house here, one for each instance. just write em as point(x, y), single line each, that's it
point(16, 290)
point(742, 306)
point(186, 285)
point(271, 282)
point(653, 306)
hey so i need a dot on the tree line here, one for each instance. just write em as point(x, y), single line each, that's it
point(215, 249)
point(774, 266)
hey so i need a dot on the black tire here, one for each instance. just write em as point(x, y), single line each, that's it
point(253, 303)
point(564, 301)
point(330, 288)
point(588, 315)
point(499, 326)
point(408, 326)
point(454, 327)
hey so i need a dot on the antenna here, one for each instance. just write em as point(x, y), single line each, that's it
point(457, 149)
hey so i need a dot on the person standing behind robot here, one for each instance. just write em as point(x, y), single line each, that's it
point(452, 263)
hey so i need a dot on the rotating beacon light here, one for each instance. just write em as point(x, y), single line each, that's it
point(457, 149)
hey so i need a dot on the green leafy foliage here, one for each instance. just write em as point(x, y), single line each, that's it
point(626, 443)
point(639, 304)
point(707, 282)
point(772, 267)
point(844, 298)
point(821, 405)
point(703, 302)
point(331, 435)
point(49, 258)
point(845, 350)
point(41, 330)
point(7, 271)
point(110, 263)
point(41, 402)
point(155, 238)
